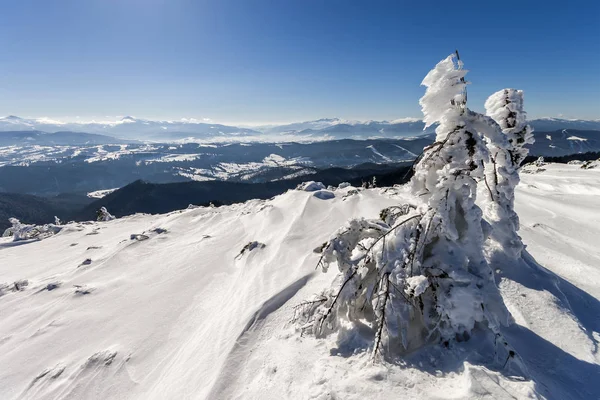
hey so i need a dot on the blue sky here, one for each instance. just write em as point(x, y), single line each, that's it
point(258, 61)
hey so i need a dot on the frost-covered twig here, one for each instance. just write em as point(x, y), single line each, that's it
point(381, 310)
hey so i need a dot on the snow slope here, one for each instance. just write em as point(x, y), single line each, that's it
point(187, 314)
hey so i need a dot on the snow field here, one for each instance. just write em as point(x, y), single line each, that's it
point(184, 315)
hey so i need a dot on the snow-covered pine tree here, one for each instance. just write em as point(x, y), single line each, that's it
point(539, 162)
point(419, 274)
point(103, 215)
point(506, 140)
point(20, 231)
point(16, 225)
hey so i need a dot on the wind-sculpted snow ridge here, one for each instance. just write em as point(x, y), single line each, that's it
point(177, 315)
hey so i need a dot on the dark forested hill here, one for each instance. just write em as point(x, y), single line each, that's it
point(153, 198)
point(39, 210)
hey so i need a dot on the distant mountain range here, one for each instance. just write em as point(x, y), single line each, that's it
point(40, 166)
point(25, 138)
point(130, 128)
point(552, 124)
point(50, 170)
point(146, 197)
point(563, 142)
point(338, 128)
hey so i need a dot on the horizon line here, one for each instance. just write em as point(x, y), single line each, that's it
point(123, 119)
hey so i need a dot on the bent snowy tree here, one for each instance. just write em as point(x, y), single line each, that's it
point(420, 273)
point(506, 141)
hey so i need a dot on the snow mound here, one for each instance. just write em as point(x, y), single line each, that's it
point(324, 194)
point(311, 186)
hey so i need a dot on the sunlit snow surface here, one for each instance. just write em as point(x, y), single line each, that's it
point(576, 138)
point(185, 314)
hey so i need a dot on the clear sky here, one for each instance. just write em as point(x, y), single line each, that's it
point(258, 61)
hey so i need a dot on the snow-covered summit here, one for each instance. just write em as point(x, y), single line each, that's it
point(181, 311)
point(128, 119)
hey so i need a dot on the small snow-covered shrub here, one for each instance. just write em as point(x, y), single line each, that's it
point(419, 273)
point(590, 164)
point(8, 232)
point(19, 231)
point(103, 215)
point(534, 167)
point(249, 247)
point(391, 214)
point(16, 286)
point(81, 290)
point(139, 237)
point(350, 193)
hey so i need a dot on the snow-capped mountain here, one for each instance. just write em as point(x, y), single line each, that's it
point(327, 128)
point(143, 129)
point(553, 124)
point(27, 138)
point(129, 127)
point(339, 128)
point(300, 126)
point(197, 304)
